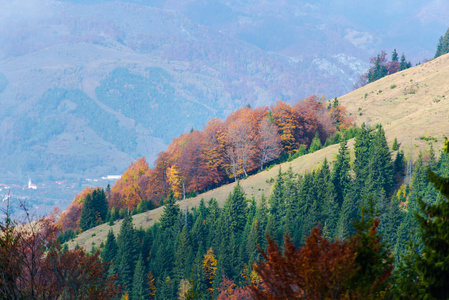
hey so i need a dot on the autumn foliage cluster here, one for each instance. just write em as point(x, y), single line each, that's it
point(226, 150)
point(33, 265)
point(356, 268)
point(246, 141)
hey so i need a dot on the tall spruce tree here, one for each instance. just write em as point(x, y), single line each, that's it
point(276, 199)
point(183, 255)
point(403, 64)
point(380, 166)
point(433, 265)
point(340, 175)
point(140, 286)
point(87, 219)
point(110, 250)
point(128, 251)
point(235, 209)
point(171, 214)
point(94, 210)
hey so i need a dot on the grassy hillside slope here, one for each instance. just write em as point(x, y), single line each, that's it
point(411, 105)
point(254, 186)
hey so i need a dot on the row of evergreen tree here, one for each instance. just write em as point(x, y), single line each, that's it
point(443, 45)
point(208, 243)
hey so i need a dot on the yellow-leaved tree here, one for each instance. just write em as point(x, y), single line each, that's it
point(209, 268)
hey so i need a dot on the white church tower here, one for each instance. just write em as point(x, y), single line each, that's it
point(31, 186)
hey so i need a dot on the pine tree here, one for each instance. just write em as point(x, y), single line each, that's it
point(316, 143)
point(276, 199)
point(395, 146)
point(87, 219)
point(375, 264)
point(140, 287)
point(212, 221)
point(235, 209)
point(403, 64)
point(110, 250)
point(94, 210)
point(183, 251)
point(443, 45)
point(128, 251)
point(380, 165)
point(394, 56)
point(392, 221)
point(330, 210)
point(433, 265)
point(100, 205)
point(170, 216)
point(378, 71)
point(340, 177)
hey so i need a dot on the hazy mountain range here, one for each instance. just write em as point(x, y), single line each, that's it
point(86, 87)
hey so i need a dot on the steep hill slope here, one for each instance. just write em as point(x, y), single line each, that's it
point(412, 105)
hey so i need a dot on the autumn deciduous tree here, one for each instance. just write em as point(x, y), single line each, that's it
point(269, 142)
point(319, 270)
point(356, 268)
point(230, 291)
point(284, 118)
point(209, 268)
point(126, 192)
point(241, 140)
point(34, 266)
point(214, 149)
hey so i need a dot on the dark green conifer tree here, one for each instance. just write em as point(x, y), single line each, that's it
point(316, 143)
point(235, 209)
point(330, 210)
point(395, 146)
point(110, 250)
point(403, 64)
point(183, 255)
point(94, 210)
point(392, 221)
point(340, 175)
point(378, 71)
point(100, 205)
point(87, 219)
point(128, 252)
point(140, 287)
point(433, 265)
point(380, 166)
point(276, 199)
point(171, 214)
point(443, 45)
point(394, 56)
point(212, 221)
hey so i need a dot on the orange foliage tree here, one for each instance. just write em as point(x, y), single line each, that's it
point(126, 192)
point(288, 124)
point(319, 270)
point(241, 137)
point(214, 149)
point(357, 268)
point(269, 142)
point(230, 291)
point(34, 266)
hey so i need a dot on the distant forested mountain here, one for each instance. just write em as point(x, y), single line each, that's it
point(86, 87)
